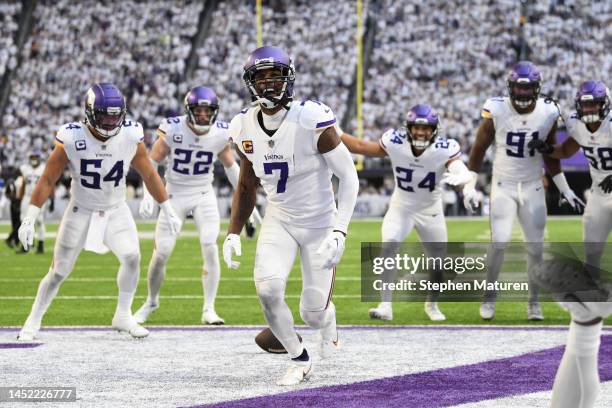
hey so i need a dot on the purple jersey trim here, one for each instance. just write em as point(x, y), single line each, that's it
point(327, 123)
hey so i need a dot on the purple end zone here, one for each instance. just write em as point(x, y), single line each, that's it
point(18, 345)
point(527, 373)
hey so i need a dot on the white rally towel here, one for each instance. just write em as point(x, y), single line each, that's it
point(96, 232)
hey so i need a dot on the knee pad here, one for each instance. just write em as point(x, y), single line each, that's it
point(313, 307)
point(270, 292)
point(130, 261)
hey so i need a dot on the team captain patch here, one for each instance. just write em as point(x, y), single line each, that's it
point(247, 146)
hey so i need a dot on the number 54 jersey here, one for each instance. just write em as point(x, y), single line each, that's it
point(293, 173)
point(417, 178)
point(97, 168)
point(513, 161)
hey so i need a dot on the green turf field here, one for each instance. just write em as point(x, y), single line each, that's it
point(88, 297)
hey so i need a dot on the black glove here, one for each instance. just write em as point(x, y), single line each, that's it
point(541, 146)
point(606, 184)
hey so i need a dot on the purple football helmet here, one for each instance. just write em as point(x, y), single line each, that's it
point(422, 114)
point(592, 101)
point(201, 96)
point(278, 90)
point(524, 82)
point(105, 109)
point(35, 158)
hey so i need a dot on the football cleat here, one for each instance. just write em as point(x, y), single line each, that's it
point(327, 347)
point(383, 311)
point(298, 371)
point(128, 324)
point(209, 316)
point(534, 311)
point(433, 311)
point(487, 310)
point(27, 334)
point(142, 315)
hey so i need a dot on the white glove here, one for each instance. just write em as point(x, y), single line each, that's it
point(572, 199)
point(331, 249)
point(471, 199)
point(26, 230)
point(147, 205)
point(173, 220)
point(231, 245)
point(454, 179)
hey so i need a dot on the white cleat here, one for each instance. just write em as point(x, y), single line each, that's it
point(384, 311)
point(142, 315)
point(434, 313)
point(298, 371)
point(534, 311)
point(327, 347)
point(209, 316)
point(128, 324)
point(27, 334)
point(487, 310)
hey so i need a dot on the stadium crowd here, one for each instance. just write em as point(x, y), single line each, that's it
point(9, 16)
point(452, 56)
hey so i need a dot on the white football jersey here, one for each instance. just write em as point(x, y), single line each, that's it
point(293, 173)
point(98, 169)
point(30, 177)
point(417, 179)
point(597, 147)
point(513, 161)
point(191, 157)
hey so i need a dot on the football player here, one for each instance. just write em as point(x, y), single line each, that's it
point(192, 142)
point(420, 160)
point(98, 153)
point(590, 127)
point(516, 190)
point(30, 173)
point(292, 148)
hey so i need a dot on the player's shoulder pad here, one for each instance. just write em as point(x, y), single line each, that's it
point(315, 115)
point(168, 124)
point(68, 132)
point(450, 147)
point(550, 107)
point(392, 137)
point(133, 130)
point(492, 107)
point(235, 126)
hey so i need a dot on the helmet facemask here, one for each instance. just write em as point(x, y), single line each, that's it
point(523, 92)
point(198, 120)
point(592, 110)
point(417, 133)
point(270, 90)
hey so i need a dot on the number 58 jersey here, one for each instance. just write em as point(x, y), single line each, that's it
point(417, 178)
point(513, 161)
point(97, 168)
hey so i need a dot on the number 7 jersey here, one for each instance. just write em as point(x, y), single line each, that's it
point(97, 168)
point(293, 173)
point(513, 161)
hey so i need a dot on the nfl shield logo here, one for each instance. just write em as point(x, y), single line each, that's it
point(271, 143)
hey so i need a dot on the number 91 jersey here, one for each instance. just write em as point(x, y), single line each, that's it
point(513, 161)
point(417, 178)
point(597, 147)
point(97, 168)
point(191, 157)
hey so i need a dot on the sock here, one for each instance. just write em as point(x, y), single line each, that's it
point(211, 273)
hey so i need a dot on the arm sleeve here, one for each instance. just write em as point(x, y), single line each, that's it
point(232, 174)
point(341, 164)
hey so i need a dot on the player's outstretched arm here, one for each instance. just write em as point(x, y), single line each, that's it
point(365, 147)
point(245, 196)
point(158, 153)
point(484, 137)
point(53, 170)
point(155, 186)
point(339, 161)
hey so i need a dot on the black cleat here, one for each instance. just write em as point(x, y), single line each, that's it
point(40, 249)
